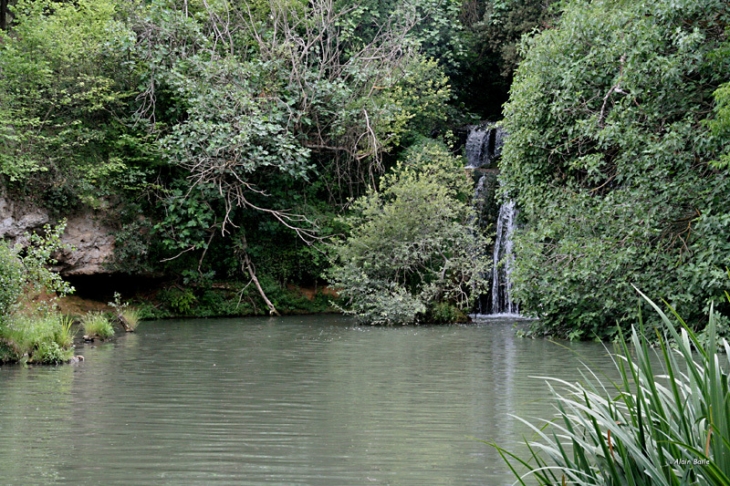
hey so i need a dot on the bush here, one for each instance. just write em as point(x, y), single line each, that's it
point(414, 244)
point(11, 280)
point(444, 313)
point(181, 302)
point(668, 428)
point(96, 325)
point(33, 331)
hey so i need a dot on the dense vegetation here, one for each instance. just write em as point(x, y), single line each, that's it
point(240, 148)
point(31, 329)
point(225, 140)
point(612, 159)
point(415, 251)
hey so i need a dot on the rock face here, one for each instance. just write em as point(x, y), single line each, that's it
point(16, 220)
point(93, 246)
point(92, 241)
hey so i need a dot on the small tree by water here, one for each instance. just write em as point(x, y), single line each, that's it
point(415, 251)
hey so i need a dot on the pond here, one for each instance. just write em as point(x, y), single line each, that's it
point(312, 400)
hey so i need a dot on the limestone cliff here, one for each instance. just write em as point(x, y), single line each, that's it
point(90, 238)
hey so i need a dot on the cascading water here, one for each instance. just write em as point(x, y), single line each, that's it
point(483, 148)
point(483, 145)
point(503, 260)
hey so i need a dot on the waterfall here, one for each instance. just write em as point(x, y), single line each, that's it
point(503, 259)
point(483, 145)
point(483, 148)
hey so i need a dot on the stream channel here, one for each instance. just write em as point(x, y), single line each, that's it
point(306, 400)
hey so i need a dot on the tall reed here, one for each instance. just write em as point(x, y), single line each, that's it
point(655, 427)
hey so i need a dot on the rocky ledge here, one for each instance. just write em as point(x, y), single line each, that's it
point(91, 240)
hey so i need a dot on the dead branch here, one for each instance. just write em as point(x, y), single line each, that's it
point(247, 266)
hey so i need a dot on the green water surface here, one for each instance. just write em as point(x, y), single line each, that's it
point(312, 400)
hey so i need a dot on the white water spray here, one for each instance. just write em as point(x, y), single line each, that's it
point(503, 261)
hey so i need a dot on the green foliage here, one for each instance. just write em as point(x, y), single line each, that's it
point(492, 33)
point(608, 158)
point(234, 299)
point(445, 313)
point(205, 125)
point(24, 268)
point(97, 325)
point(503, 24)
point(64, 333)
point(36, 338)
point(668, 426)
point(720, 125)
point(413, 244)
point(38, 260)
point(129, 315)
point(11, 280)
point(29, 330)
point(56, 97)
point(180, 301)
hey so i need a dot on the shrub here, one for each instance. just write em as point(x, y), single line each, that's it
point(36, 332)
point(668, 428)
point(444, 313)
point(11, 280)
point(414, 243)
point(96, 325)
point(181, 302)
point(50, 352)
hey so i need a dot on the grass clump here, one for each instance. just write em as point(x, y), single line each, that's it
point(658, 427)
point(44, 339)
point(97, 326)
point(128, 316)
point(131, 318)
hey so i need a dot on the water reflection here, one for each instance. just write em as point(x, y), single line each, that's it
point(306, 400)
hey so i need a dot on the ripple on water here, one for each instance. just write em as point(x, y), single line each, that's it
point(298, 400)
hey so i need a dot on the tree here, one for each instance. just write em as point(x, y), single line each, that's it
point(414, 252)
point(609, 160)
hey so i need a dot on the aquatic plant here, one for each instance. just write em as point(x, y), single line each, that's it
point(96, 325)
point(667, 427)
